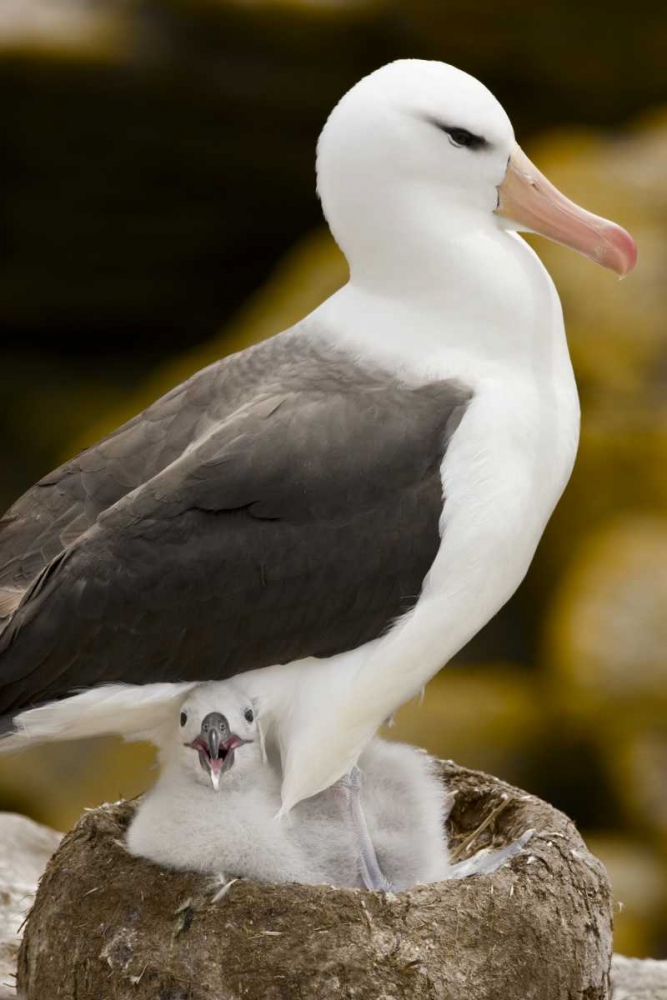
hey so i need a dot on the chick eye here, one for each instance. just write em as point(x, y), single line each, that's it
point(462, 137)
point(249, 715)
point(184, 718)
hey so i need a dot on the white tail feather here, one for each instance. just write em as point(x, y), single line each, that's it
point(134, 711)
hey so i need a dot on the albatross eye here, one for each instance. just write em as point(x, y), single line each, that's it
point(249, 715)
point(184, 718)
point(462, 137)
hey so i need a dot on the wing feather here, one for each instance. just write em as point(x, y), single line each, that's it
point(136, 713)
point(64, 504)
point(299, 522)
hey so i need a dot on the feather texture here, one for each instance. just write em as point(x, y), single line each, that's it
point(137, 713)
point(250, 536)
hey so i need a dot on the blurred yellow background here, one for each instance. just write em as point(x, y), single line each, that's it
point(159, 212)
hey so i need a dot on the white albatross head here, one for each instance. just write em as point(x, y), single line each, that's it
point(215, 735)
point(417, 138)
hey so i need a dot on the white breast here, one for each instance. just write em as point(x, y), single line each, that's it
point(502, 476)
point(504, 470)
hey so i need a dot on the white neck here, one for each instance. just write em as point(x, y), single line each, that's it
point(437, 304)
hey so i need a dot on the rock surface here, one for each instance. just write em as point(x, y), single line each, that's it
point(26, 847)
point(105, 923)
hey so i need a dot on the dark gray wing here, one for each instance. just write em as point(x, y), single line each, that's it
point(64, 504)
point(303, 523)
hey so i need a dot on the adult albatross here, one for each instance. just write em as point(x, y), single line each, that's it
point(349, 502)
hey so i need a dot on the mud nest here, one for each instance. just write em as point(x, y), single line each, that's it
point(107, 926)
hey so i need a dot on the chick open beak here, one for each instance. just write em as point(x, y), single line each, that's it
point(215, 745)
point(531, 203)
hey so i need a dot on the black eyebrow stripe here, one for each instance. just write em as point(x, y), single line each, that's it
point(475, 141)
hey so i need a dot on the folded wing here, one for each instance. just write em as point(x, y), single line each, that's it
point(301, 521)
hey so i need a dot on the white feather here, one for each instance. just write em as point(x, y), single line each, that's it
point(128, 710)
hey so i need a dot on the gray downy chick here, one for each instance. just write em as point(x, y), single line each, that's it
point(213, 808)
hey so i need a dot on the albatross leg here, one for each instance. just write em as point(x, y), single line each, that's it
point(369, 866)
